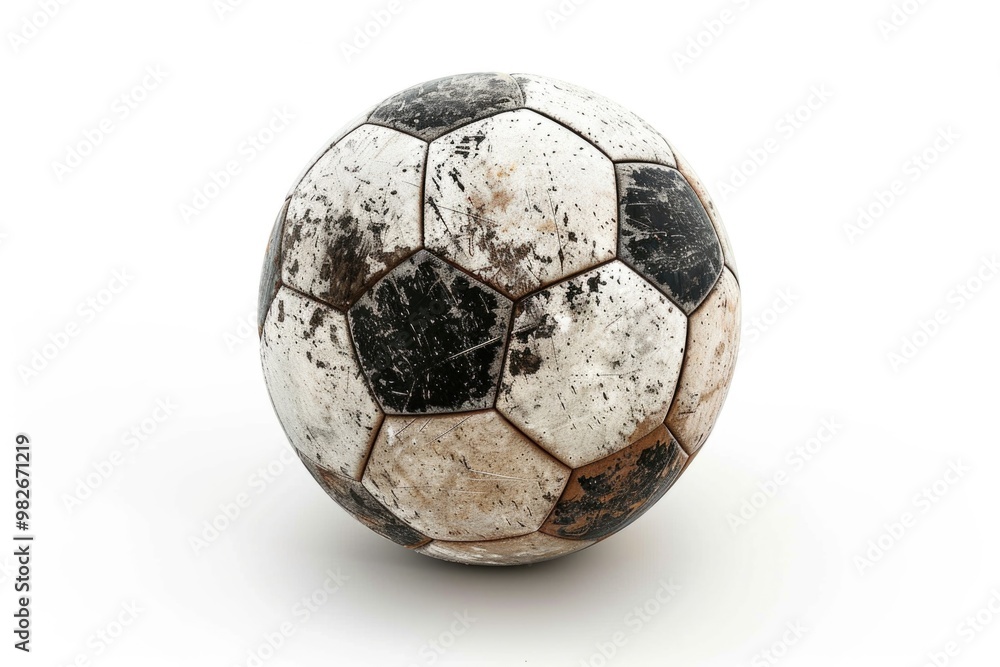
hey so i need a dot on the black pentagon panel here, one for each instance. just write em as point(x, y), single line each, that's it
point(666, 234)
point(354, 498)
point(270, 275)
point(430, 338)
point(609, 494)
point(433, 109)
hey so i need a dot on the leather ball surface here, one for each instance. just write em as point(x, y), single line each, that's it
point(499, 316)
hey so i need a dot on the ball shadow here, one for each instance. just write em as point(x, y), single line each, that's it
point(582, 593)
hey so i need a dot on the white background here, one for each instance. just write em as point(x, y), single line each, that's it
point(824, 310)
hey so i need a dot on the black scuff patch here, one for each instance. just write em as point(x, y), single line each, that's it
point(270, 275)
point(666, 234)
point(433, 109)
point(430, 338)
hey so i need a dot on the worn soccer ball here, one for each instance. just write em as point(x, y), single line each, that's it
point(499, 317)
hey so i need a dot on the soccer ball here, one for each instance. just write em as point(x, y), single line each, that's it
point(499, 316)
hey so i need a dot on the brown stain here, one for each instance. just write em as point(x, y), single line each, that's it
point(491, 235)
point(607, 495)
point(499, 194)
point(547, 226)
point(502, 172)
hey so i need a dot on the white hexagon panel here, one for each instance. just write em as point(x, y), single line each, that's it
point(322, 399)
point(592, 363)
point(465, 477)
point(519, 201)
